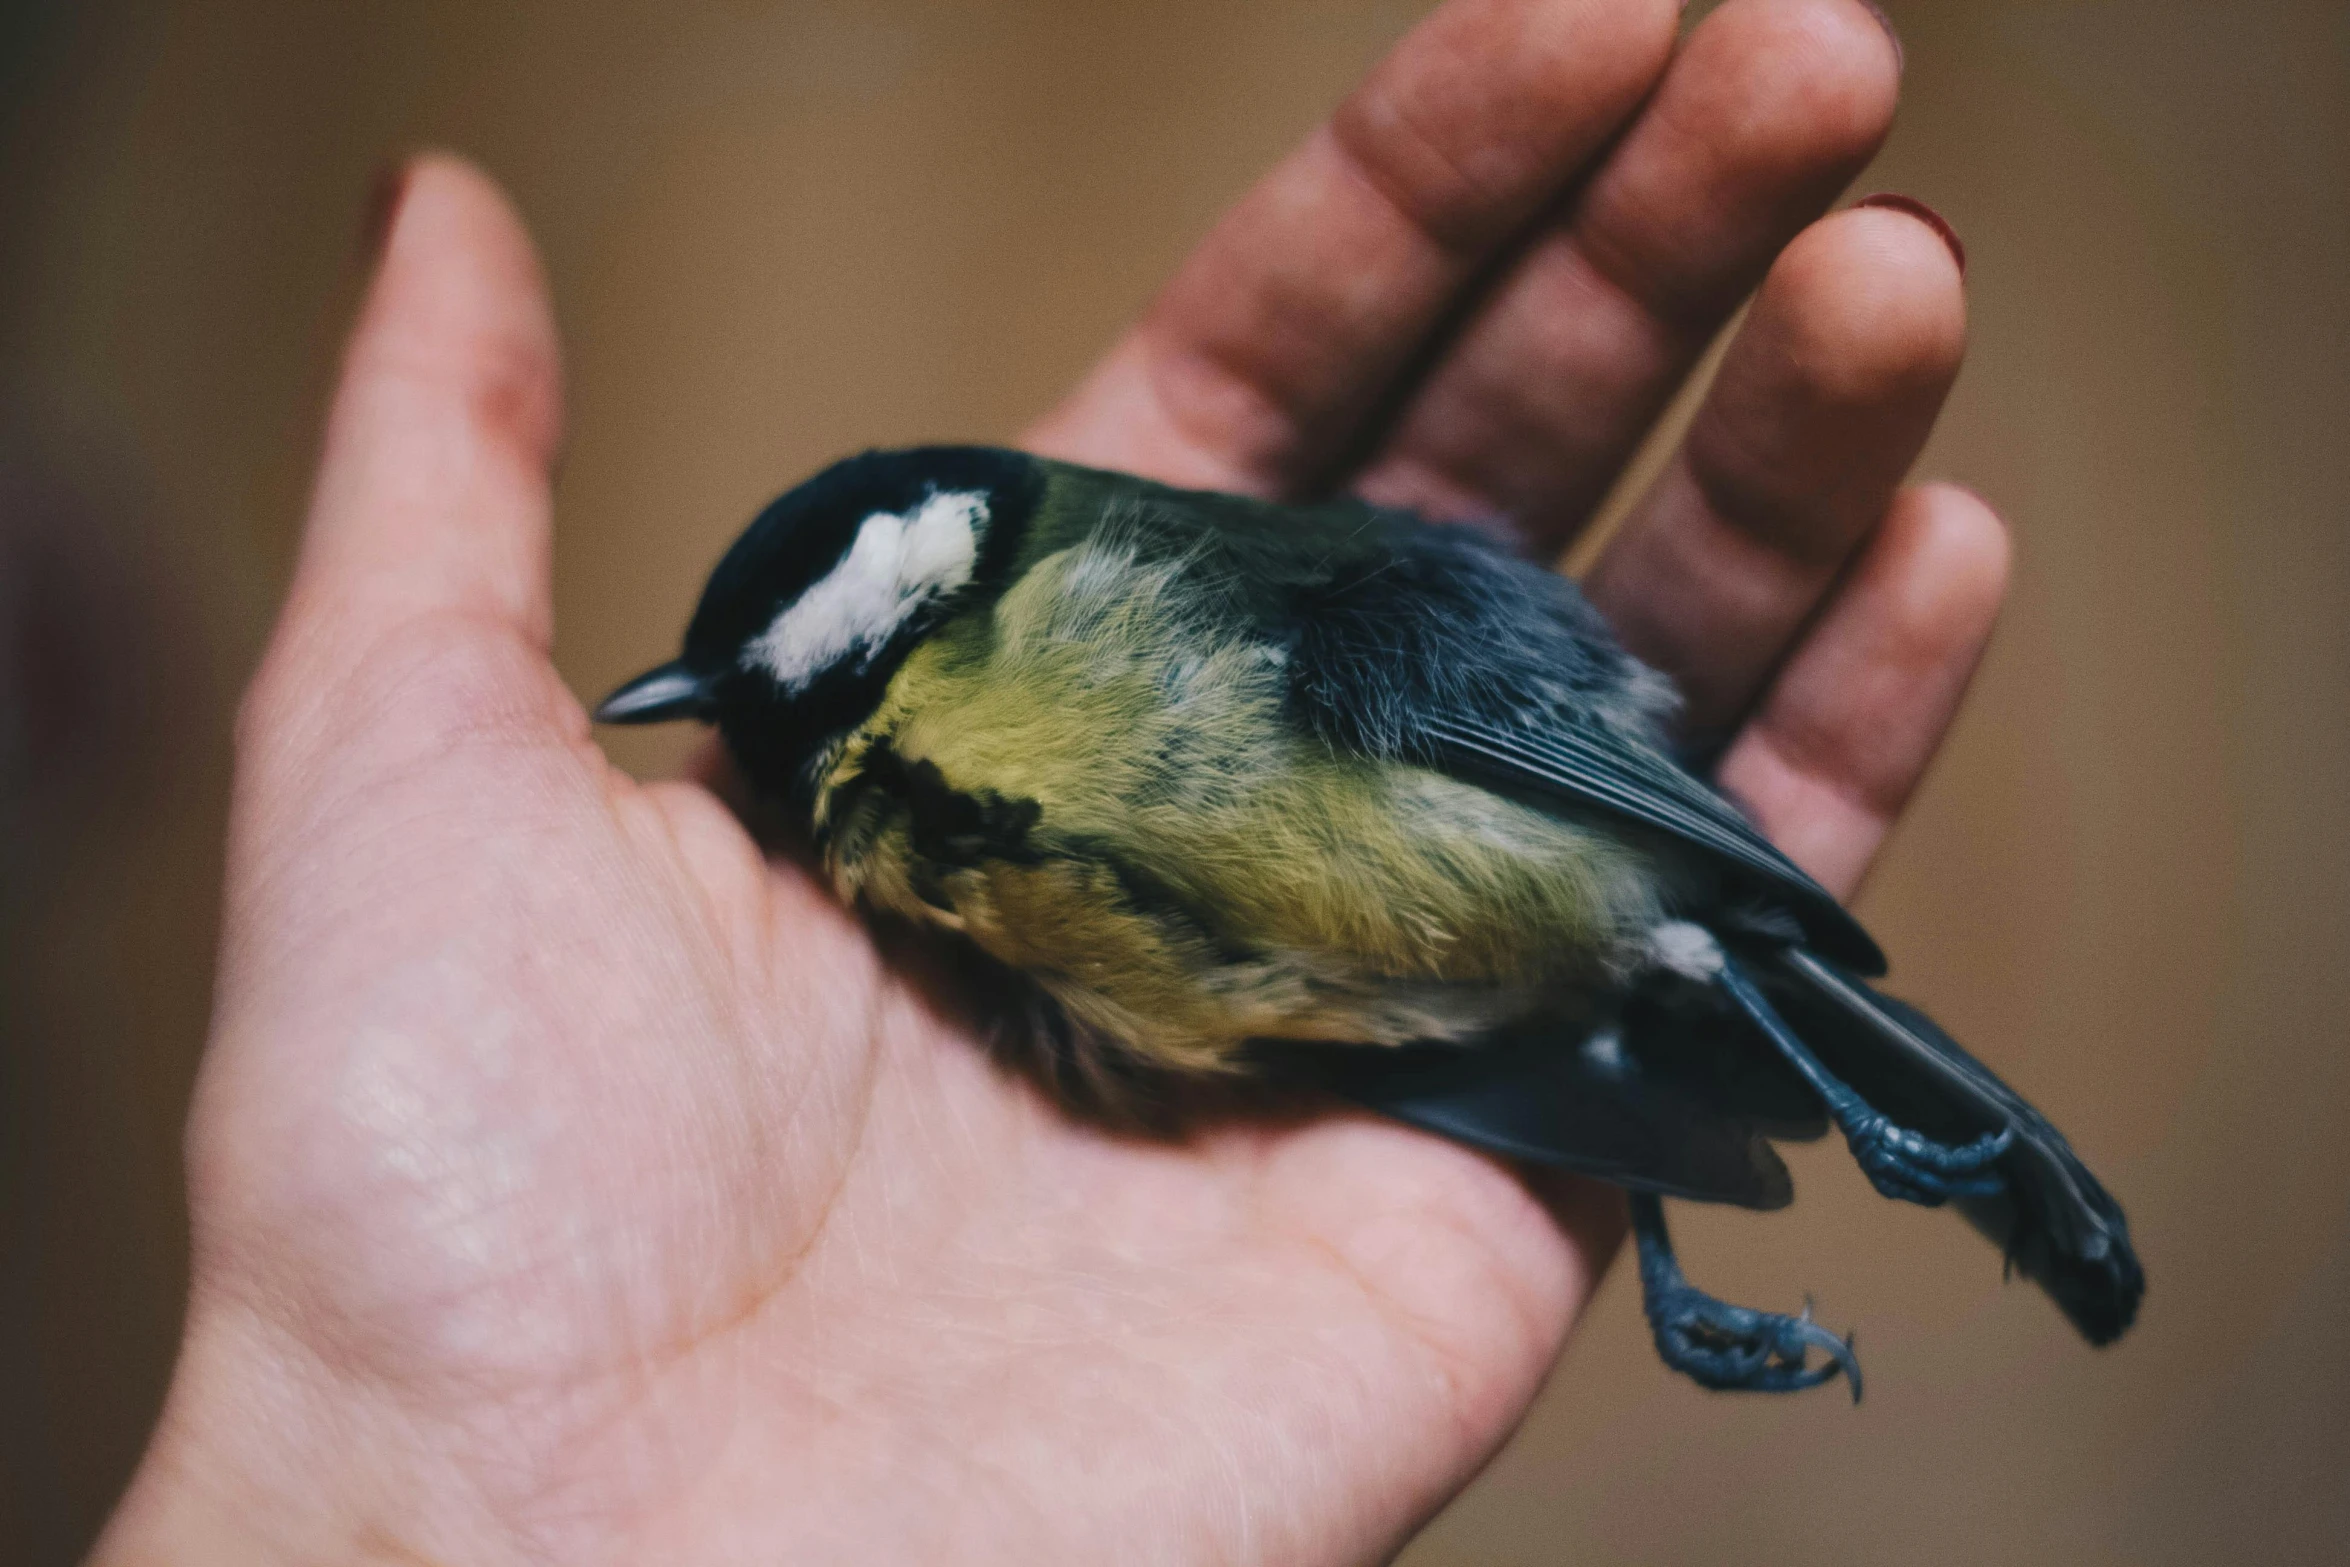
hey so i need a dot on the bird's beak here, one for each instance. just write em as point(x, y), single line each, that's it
point(657, 696)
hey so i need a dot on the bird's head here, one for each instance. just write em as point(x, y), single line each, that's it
point(812, 610)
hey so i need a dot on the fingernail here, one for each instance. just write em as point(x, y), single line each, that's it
point(384, 196)
point(1892, 201)
point(1900, 55)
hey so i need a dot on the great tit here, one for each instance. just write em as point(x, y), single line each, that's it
point(1231, 788)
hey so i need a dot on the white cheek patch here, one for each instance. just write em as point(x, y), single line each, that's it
point(899, 563)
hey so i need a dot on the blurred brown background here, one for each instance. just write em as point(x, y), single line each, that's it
point(781, 230)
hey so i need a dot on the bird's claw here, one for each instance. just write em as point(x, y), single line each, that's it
point(1739, 1349)
point(1900, 1163)
point(1915, 1168)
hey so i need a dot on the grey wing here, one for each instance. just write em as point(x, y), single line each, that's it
point(1588, 765)
point(1433, 645)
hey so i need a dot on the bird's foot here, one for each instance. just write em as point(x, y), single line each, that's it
point(1739, 1349)
point(1914, 1167)
point(1718, 1345)
point(1899, 1163)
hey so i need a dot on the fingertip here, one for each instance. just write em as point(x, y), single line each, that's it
point(1861, 58)
point(1957, 554)
point(1878, 14)
point(434, 480)
point(1894, 201)
point(1827, 71)
point(1823, 400)
point(1922, 598)
point(459, 295)
point(1872, 306)
point(384, 195)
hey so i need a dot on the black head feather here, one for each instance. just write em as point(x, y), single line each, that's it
point(807, 531)
point(797, 542)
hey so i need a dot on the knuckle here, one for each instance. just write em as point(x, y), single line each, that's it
point(403, 690)
point(419, 690)
point(1417, 166)
point(448, 680)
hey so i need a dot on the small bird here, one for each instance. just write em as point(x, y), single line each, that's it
point(1234, 790)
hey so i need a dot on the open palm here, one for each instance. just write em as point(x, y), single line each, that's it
point(574, 1183)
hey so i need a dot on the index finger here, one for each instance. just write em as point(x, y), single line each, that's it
point(1281, 335)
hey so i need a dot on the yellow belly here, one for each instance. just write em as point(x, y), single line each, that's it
point(1193, 873)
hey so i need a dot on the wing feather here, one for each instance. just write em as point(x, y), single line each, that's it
point(1588, 765)
point(1434, 645)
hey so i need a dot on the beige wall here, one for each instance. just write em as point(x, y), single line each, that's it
point(779, 231)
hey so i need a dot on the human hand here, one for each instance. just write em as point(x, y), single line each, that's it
point(570, 1182)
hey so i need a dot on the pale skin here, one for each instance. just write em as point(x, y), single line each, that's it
point(574, 1182)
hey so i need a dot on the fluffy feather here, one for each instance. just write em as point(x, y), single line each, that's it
point(1192, 873)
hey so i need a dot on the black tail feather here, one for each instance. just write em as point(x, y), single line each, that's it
point(1599, 1106)
point(2058, 1226)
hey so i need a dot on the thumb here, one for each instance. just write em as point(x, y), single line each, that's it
point(433, 491)
point(433, 500)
